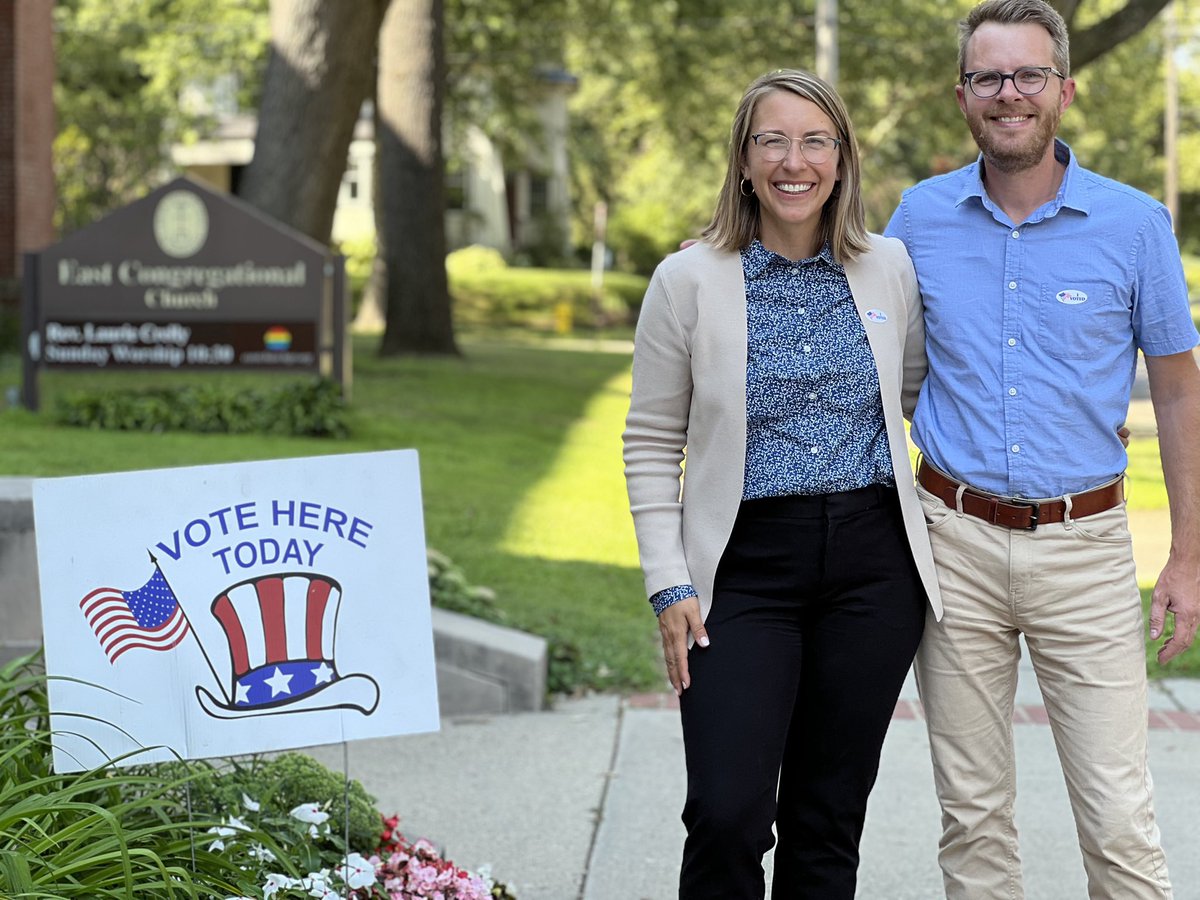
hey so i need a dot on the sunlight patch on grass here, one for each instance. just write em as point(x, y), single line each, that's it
point(570, 514)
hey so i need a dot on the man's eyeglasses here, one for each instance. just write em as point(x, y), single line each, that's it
point(815, 149)
point(1028, 80)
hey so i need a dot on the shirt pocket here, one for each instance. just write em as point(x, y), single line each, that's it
point(1076, 317)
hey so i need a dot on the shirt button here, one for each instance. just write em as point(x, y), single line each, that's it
point(1016, 234)
point(1016, 448)
point(1012, 285)
point(812, 395)
point(814, 450)
point(808, 348)
point(1012, 392)
point(1012, 342)
point(802, 310)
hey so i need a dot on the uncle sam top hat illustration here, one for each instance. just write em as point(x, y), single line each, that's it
point(280, 629)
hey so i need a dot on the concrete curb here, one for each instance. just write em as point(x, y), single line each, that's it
point(482, 668)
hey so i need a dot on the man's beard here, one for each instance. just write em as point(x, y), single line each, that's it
point(1009, 157)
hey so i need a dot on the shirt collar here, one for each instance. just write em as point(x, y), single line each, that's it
point(1071, 193)
point(756, 259)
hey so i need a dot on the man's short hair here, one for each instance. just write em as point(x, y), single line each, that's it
point(1017, 12)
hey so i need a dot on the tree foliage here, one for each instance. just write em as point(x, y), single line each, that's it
point(122, 68)
point(495, 52)
point(652, 121)
point(658, 83)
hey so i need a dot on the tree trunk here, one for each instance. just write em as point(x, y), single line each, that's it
point(410, 203)
point(320, 70)
point(1088, 44)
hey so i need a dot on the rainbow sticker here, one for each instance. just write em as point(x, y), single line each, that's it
point(277, 338)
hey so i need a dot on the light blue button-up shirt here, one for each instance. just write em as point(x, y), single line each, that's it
point(1032, 328)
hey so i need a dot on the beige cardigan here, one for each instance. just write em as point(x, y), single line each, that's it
point(689, 389)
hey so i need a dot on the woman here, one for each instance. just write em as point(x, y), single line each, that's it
point(782, 351)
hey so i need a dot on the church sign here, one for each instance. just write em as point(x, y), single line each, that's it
point(185, 277)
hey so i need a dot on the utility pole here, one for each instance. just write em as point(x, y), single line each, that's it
point(1171, 118)
point(827, 40)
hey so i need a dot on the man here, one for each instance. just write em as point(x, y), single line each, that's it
point(1041, 281)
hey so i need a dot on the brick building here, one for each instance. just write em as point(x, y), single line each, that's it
point(26, 137)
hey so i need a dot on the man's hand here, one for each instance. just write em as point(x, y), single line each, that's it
point(675, 622)
point(1123, 434)
point(1177, 594)
point(1175, 393)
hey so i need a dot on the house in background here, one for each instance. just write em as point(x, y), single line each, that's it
point(521, 208)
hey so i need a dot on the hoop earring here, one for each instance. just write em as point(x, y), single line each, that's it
point(742, 188)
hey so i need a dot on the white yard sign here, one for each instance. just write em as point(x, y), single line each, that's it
point(228, 609)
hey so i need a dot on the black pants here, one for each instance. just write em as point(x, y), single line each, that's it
point(816, 615)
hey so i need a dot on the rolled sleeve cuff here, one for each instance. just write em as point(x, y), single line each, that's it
point(671, 596)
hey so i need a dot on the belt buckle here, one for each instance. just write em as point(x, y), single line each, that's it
point(1035, 514)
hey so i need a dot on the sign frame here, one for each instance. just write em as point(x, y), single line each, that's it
point(185, 278)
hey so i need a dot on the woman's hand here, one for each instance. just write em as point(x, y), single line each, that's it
point(675, 622)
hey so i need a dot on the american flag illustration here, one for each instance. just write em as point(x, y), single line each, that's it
point(149, 617)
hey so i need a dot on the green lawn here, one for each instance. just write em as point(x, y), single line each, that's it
point(521, 475)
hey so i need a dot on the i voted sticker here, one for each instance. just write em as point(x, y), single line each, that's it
point(876, 315)
point(1071, 297)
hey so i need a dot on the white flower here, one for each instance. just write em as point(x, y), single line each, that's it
point(258, 851)
point(251, 805)
point(357, 871)
point(485, 875)
point(276, 882)
point(317, 884)
point(310, 813)
point(231, 827)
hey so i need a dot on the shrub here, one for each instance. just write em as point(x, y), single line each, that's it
point(360, 257)
point(534, 298)
point(449, 589)
point(288, 780)
point(314, 408)
point(474, 260)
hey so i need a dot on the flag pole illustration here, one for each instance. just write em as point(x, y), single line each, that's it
point(203, 652)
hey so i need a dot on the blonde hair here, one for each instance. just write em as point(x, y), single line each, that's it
point(735, 221)
point(1017, 12)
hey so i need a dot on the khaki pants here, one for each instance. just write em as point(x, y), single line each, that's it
point(1071, 590)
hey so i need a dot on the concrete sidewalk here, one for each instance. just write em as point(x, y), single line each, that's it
point(583, 802)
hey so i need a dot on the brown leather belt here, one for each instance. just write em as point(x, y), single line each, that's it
point(1015, 512)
